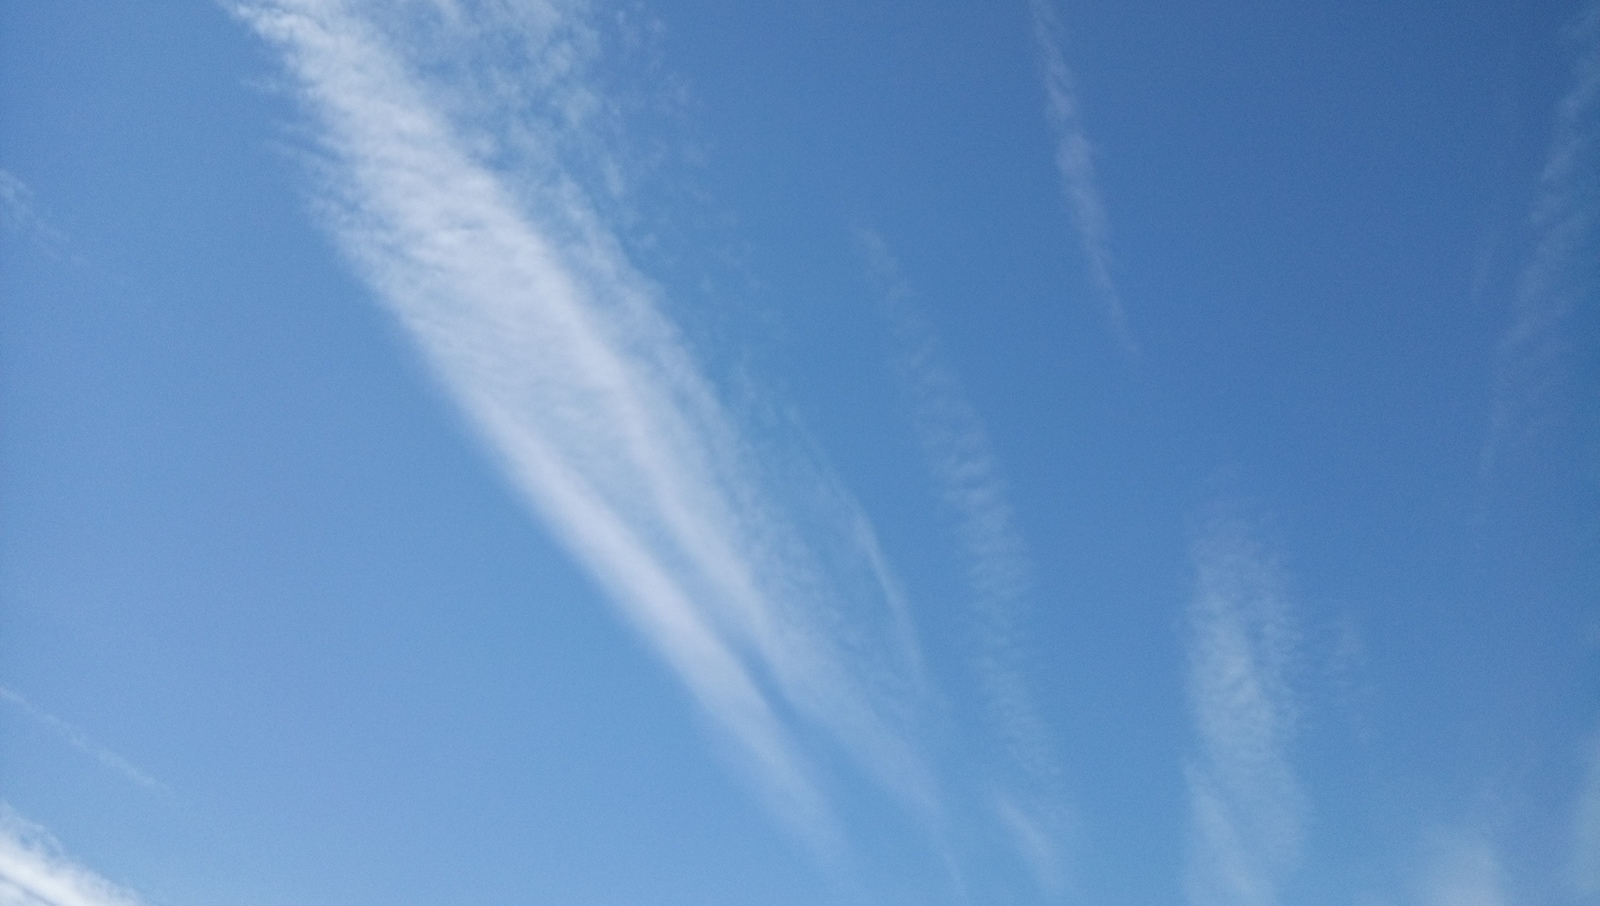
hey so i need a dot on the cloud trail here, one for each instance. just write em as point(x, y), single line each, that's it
point(34, 871)
point(1029, 803)
point(80, 740)
point(1558, 284)
point(1075, 161)
point(527, 308)
point(1245, 802)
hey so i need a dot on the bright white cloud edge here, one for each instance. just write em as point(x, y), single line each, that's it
point(35, 872)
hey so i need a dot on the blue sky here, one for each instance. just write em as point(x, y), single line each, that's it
point(568, 452)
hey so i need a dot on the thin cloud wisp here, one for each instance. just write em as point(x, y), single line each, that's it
point(528, 309)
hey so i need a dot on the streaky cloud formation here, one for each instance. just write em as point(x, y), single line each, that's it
point(529, 311)
point(80, 740)
point(35, 872)
point(1246, 806)
point(1075, 160)
point(1028, 800)
point(1561, 277)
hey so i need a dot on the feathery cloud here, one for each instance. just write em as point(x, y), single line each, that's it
point(1562, 272)
point(1245, 801)
point(527, 307)
point(1075, 161)
point(34, 871)
point(1030, 805)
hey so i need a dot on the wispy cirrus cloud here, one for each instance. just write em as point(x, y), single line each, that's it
point(1075, 162)
point(1246, 805)
point(1559, 281)
point(35, 872)
point(1028, 800)
point(457, 200)
point(19, 214)
point(16, 203)
point(80, 740)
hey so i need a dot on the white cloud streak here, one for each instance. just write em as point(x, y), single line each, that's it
point(34, 871)
point(1563, 270)
point(1246, 804)
point(1075, 161)
point(1029, 804)
point(80, 740)
point(529, 311)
